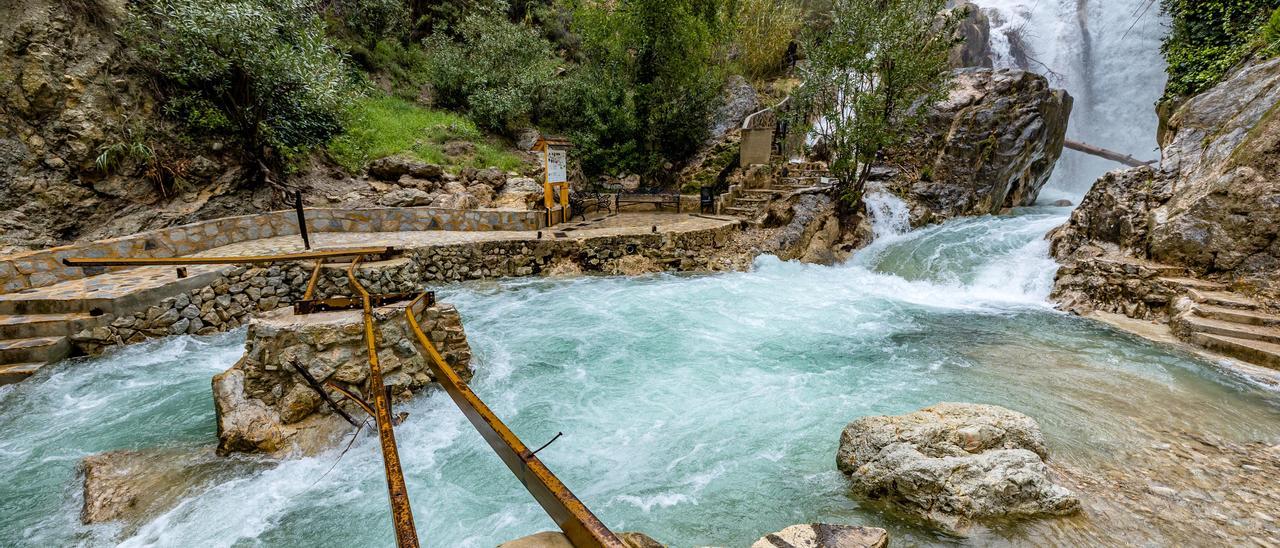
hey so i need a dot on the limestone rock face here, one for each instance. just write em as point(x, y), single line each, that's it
point(974, 32)
point(953, 464)
point(739, 100)
point(1213, 204)
point(822, 535)
point(992, 144)
point(264, 405)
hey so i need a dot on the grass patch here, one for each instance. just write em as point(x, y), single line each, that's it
point(378, 127)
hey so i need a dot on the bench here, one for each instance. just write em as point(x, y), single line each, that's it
point(657, 196)
point(580, 203)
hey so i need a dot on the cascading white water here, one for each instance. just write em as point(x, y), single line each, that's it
point(1106, 54)
point(889, 215)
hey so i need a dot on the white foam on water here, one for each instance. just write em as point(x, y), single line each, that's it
point(890, 216)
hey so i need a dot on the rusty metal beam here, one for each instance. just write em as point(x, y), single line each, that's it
point(381, 252)
point(397, 491)
point(577, 522)
point(309, 306)
point(315, 278)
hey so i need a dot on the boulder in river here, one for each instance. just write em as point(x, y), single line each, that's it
point(133, 486)
point(823, 535)
point(991, 144)
point(952, 464)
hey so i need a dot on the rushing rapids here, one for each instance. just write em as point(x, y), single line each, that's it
point(702, 410)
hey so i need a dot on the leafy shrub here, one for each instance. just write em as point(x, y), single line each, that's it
point(659, 62)
point(375, 20)
point(1207, 39)
point(763, 31)
point(386, 126)
point(497, 70)
point(259, 70)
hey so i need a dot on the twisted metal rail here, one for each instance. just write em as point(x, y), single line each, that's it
point(397, 491)
point(577, 522)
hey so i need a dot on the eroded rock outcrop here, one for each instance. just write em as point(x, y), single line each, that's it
point(954, 464)
point(823, 535)
point(1212, 207)
point(264, 405)
point(131, 486)
point(992, 144)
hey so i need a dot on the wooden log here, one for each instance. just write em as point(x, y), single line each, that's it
point(1108, 154)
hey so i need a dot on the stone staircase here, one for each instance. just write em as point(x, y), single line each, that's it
point(36, 324)
point(750, 203)
point(1227, 323)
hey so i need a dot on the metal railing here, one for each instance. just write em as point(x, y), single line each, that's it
point(577, 522)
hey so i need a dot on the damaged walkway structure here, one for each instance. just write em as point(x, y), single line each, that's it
point(579, 525)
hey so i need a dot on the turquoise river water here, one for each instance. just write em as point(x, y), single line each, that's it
point(703, 410)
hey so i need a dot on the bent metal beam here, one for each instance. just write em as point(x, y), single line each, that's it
point(381, 252)
point(577, 522)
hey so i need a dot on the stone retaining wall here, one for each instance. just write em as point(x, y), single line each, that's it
point(44, 267)
point(239, 291)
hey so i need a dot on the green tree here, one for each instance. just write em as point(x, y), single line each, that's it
point(1208, 38)
point(869, 79)
point(496, 70)
point(261, 71)
point(375, 20)
point(666, 56)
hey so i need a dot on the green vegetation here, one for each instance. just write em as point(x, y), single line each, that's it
point(869, 78)
point(497, 70)
point(385, 126)
point(634, 83)
point(1208, 38)
point(261, 71)
point(764, 30)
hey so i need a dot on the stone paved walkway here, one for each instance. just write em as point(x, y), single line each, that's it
point(121, 283)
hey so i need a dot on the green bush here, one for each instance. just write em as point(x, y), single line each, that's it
point(259, 70)
point(1208, 38)
point(657, 69)
point(496, 70)
point(386, 126)
point(375, 20)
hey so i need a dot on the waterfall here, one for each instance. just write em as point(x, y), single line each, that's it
point(889, 215)
point(1107, 55)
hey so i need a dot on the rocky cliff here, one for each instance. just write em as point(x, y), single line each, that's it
point(1212, 206)
point(992, 144)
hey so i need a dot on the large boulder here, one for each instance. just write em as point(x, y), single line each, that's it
point(133, 486)
point(519, 193)
point(1213, 204)
point(952, 464)
point(991, 144)
point(822, 535)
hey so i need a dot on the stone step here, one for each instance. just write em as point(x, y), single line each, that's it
point(18, 372)
point(760, 191)
point(751, 200)
point(1193, 283)
point(1222, 298)
point(34, 349)
point(1236, 315)
point(1210, 326)
point(1255, 352)
point(741, 211)
point(114, 292)
point(45, 325)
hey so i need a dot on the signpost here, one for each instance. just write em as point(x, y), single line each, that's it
point(555, 158)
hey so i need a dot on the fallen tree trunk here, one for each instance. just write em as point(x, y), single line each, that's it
point(1108, 154)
